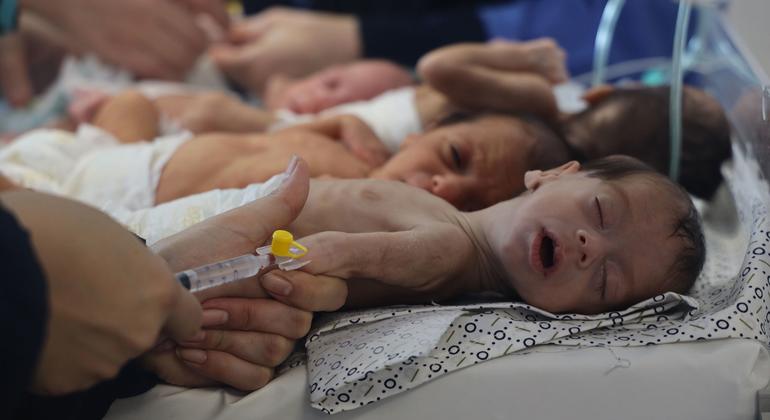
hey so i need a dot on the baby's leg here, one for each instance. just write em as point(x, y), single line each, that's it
point(129, 116)
point(541, 56)
point(501, 76)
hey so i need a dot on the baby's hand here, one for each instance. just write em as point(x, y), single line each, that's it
point(354, 134)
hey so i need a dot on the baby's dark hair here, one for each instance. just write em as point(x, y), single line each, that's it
point(635, 122)
point(686, 224)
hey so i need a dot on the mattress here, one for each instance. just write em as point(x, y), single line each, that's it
point(705, 380)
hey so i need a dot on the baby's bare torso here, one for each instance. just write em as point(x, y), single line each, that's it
point(369, 205)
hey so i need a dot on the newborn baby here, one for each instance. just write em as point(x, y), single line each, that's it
point(584, 240)
point(464, 154)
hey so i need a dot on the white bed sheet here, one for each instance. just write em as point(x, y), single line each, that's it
point(699, 380)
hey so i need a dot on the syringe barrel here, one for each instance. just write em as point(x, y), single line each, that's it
point(221, 272)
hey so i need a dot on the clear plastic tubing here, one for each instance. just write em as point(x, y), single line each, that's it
point(604, 35)
point(677, 74)
point(222, 272)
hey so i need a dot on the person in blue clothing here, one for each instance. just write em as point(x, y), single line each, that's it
point(313, 34)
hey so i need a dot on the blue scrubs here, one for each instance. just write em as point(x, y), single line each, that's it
point(404, 30)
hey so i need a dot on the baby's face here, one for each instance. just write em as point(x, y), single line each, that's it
point(580, 244)
point(471, 164)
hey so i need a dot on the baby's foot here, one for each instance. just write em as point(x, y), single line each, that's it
point(85, 103)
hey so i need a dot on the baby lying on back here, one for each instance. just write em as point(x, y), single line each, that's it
point(585, 240)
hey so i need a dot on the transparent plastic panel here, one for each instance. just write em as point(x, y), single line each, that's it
point(727, 71)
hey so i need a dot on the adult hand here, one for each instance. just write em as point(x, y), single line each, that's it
point(286, 41)
point(336, 85)
point(252, 324)
point(109, 296)
point(15, 84)
point(152, 38)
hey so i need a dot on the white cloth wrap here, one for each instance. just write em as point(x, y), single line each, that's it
point(392, 116)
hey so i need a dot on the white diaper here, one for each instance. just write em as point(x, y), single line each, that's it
point(42, 159)
point(156, 223)
point(392, 116)
point(122, 177)
point(90, 166)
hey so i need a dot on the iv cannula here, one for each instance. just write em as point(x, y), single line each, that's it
point(282, 251)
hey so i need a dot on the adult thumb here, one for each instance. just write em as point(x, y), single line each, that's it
point(258, 219)
point(14, 79)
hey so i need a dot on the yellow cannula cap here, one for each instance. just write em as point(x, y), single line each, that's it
point(283, 245)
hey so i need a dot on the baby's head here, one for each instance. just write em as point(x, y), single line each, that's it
point(475, 160)
point(635, 122)
point(598, 238)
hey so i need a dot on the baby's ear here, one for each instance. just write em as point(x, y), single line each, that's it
point(596, 94)
point(534, 179)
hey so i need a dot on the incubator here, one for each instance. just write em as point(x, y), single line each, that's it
point(707, 361)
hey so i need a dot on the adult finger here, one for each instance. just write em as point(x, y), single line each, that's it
point(258, 219)
point(179, 27)
point(248, 65)
point(226, 368)
point(214, 8)
point(14, 79)
point(253, 28)
point(185, 318)
point(256, 347)
point(306, 291)
point(263, 315)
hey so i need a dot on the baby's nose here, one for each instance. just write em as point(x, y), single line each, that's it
point(588, 248)
point(420, 180)
point(447, 189)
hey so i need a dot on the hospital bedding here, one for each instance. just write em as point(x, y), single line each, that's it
point(715, 380)
point(397, 349)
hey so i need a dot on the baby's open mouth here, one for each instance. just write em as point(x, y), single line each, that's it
point(547, 248)
point(544, 254)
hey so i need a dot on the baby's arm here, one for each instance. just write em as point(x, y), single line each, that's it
point(129, 116)
point(352, 132)
point(502, 76)
point(214, 111)
point(396, 243)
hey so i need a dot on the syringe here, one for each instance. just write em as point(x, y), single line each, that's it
point(219, 273)
point(282, 251)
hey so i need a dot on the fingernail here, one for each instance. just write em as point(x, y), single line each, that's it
point(292, 165)
point(287, 174)
point(276, 284)
point(214, 317)
point(192, 355)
